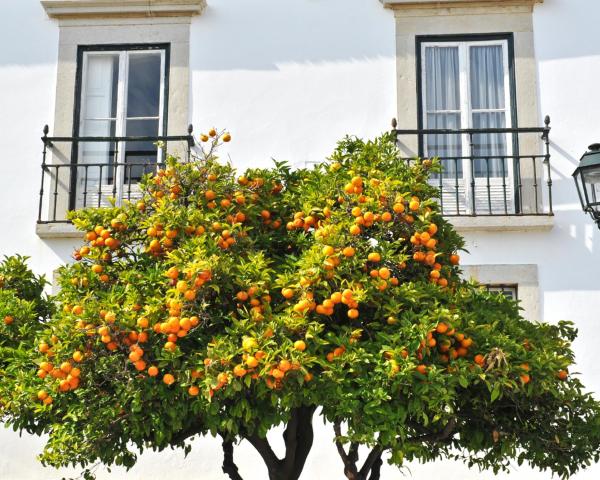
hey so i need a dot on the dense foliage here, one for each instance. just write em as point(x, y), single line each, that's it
point(230, 304)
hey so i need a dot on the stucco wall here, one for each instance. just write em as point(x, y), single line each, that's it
point(288, 79)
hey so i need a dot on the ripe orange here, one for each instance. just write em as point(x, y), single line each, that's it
point(349, 252)
point(355, 230)
point(78, 356)
point(239, 371)
point(525, 378)
point(374, 257)
point(193, 391)
point(454, 259)
point(300, 345)
point(168, 379)
point(562, 374)
point(284, 365)
point(153, 371)
point(353, 313)
point(422, 369)
point(441, 328)
point(252, 362)
point(479, 360)
point(414, 205)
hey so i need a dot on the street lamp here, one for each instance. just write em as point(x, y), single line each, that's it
point(587, 180)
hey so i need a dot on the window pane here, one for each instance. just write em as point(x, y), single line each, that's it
point(99, 93)
point(487, 77)
point(490, 145)
point(143, 96)
point(447, 147)
point(97, 152)
point(141, 156)
point(442, 78)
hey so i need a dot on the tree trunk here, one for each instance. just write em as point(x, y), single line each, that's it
point(298, 437)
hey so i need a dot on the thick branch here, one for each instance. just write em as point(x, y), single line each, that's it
point(290, 439)
point(376, 469)
point(305, 436)
point(229, 466)
point(349, 464)
point(370, 461)
point(266, 452)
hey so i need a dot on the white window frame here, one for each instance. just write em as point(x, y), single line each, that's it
point(121, 108)
point(466, 113)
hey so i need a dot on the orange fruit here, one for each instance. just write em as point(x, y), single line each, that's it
point(374, 257)
point(284, 365)
point(353, 313)
point(454, 259)
point(422, 369)
point(168, 379)
point(300, 345)
point(562, 374)
point(193, 391)
point(348, 252)
point(441, 328)
point(355, 230)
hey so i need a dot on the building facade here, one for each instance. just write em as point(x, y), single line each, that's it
point(504, 91)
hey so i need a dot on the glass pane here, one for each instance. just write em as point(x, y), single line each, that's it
point(442, 90)
point(99, 92)
point(591, 179)
point(487, 77)
point(143, 95)
point(97, 152)
point(140, 156)
point(492, 145)
point(447, 147)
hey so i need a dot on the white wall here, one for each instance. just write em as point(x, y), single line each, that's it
point(288, 79)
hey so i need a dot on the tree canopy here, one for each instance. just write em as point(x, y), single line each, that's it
point(228, 304)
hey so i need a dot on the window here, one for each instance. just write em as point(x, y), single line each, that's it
point(121, 93)
point(466, 84)
point(509, 291)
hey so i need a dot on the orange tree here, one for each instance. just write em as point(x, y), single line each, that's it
point(227, 305)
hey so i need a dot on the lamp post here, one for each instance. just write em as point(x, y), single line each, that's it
point(587, 180)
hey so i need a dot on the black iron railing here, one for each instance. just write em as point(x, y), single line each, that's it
point(488, 173)
point(92, 171)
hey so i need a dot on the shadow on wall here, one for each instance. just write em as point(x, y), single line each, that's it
point(27, 36)
point(261, 34)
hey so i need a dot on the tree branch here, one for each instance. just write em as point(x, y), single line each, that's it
point(229, 466)
point(305, 437)
point(349, 464)
point(264, 449)
point(376, 469)
point(374, 455)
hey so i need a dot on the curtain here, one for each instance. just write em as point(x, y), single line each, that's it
point(442, 94)
point(487, 97)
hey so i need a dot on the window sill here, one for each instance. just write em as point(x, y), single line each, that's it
point(407, 4)
point(64, 9)
point(57, 230)
point(501, 223)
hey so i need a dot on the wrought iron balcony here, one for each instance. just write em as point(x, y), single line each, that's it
point(487, 171)
point(95, 171)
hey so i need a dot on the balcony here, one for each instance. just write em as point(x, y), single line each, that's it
point(80, 172)
point(492, 178)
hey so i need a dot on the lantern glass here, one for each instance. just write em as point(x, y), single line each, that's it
point(591, 182)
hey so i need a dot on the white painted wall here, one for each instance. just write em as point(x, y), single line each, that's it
point(288, 79)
